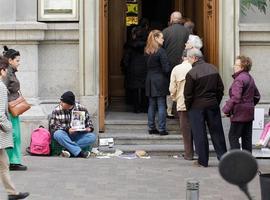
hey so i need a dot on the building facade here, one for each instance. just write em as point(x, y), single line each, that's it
point(57, 56)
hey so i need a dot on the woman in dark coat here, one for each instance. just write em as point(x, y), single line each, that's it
point(134, 62)
point(157, 82)
point(244, 95)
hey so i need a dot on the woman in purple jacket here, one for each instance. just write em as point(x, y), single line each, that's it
point(244, 95)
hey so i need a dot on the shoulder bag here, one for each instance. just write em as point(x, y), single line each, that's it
point(18, 106)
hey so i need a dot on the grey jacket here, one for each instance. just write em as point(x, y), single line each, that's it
point(12, 84)
point(6, 139)
point(175, 37)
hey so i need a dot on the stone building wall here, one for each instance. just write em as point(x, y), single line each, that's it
point(54, 58)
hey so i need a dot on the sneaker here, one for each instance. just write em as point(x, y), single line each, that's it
point(21, 195)
point(86, 154)
point(65, 154)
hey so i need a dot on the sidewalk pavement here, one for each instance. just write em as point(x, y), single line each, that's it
point(158, 178)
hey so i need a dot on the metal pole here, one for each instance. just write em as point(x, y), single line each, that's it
point(192, 190)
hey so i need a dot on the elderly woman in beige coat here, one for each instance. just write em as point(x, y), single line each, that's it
point(6, 140)
point(177, 83)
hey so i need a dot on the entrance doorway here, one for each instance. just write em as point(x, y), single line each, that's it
point(114, 34)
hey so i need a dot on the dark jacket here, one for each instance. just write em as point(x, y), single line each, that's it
point(12, 84)
point(157, 82)
point(134, 65)
point(175, 37)
point(244, 95)
point(204, 87)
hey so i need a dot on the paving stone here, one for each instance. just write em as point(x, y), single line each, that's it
point(158, 178)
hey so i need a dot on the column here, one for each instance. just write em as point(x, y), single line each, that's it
point(89, 56)
point(228, 43)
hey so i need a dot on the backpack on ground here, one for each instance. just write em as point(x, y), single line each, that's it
point(40, 142)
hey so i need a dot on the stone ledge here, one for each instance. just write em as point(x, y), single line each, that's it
point(28, 25)
point(23, 26)
point(37, 31)
point(254, 27)
point(63, 26)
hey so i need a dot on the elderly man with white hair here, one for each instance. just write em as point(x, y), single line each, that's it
point(203, 93)
point(194, 41)
point(175, 37)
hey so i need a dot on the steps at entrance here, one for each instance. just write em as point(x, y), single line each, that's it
point(130, 133)
point(137, 124)
point(135, 138)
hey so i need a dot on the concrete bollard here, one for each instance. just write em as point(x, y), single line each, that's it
point(192, 190)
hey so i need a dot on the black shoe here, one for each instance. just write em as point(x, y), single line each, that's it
point(163, 133)
point(21, 195)
point(170, 117)
point(17, 167)
point(84, 154)
point(154, 131)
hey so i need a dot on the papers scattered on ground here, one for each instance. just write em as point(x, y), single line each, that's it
point(142, 154)
point(118, 153)
point(129, 156)
point(99, 154)
point(136, 154)
point(106, 142)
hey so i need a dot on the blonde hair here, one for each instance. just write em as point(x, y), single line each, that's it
point(152, 45)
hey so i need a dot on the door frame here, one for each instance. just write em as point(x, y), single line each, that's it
point(211, 31)
point(103, 62)
point(211, 46)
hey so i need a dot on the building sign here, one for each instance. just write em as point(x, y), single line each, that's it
point(132, 14)
point(58, 10)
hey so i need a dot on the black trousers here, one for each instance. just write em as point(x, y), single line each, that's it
point(198, 119)
point(241, 130)
point(139, 100)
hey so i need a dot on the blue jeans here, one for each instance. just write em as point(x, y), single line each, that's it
point(74, 142)
point(157, 103)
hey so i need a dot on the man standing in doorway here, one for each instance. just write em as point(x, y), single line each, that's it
point(203, 93)
point(175, 37)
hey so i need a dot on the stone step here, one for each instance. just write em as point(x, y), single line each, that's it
point(160, 150)
point(134, 138)
point(172, 125)
point(142, 139)
point(134, 131)
point(137, 127)
point(134, 121)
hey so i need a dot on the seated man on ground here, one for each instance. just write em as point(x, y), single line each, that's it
point(72, 139)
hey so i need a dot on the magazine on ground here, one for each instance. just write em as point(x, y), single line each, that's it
point(78, 120)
